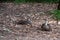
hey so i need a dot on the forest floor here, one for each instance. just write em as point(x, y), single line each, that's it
point(36, 12)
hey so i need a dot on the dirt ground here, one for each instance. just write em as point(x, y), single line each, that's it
point(36, 12)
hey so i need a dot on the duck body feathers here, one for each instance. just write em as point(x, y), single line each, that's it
point(46, 27)
point(23, 22)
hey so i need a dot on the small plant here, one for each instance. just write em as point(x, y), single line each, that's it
point(56, 14)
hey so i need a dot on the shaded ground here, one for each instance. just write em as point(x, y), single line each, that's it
point(10, 13)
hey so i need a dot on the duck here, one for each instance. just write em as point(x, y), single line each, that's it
point(45, 26)
point(24, 22)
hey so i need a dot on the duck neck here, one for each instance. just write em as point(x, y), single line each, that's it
point(46, 22)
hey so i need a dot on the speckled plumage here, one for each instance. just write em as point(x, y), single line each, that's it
point(23, 22)
point(46, 27)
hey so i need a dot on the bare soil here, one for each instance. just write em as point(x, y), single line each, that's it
point(36, 12)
